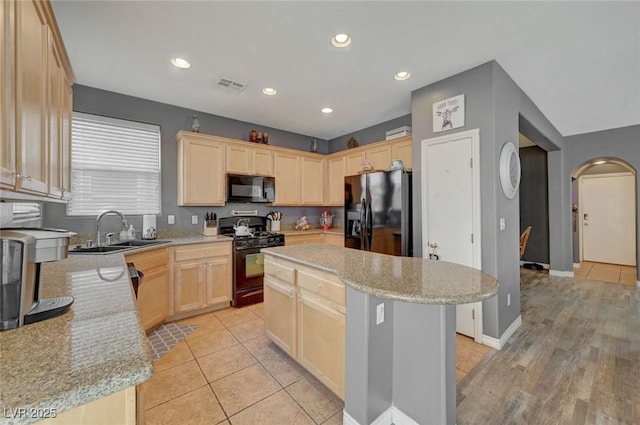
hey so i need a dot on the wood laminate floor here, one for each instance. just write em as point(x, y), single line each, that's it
point(574, 360)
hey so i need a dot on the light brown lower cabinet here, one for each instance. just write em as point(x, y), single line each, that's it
point(202, 277)
point(280, 313)
point(316, 237)
point(153, 292)
point(305, 316)
point(334, 239)
point(117, 408)
point(321, 340)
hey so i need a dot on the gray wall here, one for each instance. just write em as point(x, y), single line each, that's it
point(534, 203)
point(495, 105)
point(171, 119)
point(620, 143)
point(368, 135)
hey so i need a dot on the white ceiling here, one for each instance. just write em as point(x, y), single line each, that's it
point(578, 61)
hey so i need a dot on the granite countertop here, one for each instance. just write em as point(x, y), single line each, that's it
point(94, 350)
point(406, 279)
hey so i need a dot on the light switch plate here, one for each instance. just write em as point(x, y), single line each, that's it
point(194, 219)
point(171, 219)
point(503, 224)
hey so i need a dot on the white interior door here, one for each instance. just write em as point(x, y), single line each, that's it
point(608, 217)
point(451, 211)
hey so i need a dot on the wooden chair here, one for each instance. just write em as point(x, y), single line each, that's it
point(524, 238)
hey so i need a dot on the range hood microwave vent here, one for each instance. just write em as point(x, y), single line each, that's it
point(231, 86)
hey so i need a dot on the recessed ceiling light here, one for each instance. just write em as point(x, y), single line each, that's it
point(600, 162)
point(269, 91)
point(326, 110)
point(180, 63)
point(402, 75)
point(341, 40)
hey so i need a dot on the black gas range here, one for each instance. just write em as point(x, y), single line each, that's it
point(248, 261)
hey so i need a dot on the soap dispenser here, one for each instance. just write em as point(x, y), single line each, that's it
point(124, 234)
point(132, 232)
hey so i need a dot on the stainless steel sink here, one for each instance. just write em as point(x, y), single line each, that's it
point(122, 246)
point(138, 242)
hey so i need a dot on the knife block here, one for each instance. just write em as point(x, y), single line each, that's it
point(210, 230)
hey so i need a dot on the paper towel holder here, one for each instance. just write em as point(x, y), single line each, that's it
point(149, 226)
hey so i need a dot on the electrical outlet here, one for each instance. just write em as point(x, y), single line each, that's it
point(379, 313)
point(194, 219)
point(508, 299)
point(171, 219)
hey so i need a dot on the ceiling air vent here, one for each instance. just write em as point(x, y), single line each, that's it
point(230, 85)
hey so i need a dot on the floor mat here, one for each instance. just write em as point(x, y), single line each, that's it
point(166, 337)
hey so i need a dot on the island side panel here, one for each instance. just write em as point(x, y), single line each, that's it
point(424, 362)
point(369, 358)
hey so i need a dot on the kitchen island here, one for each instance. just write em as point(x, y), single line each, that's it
point(92, 356)
point(397, 330)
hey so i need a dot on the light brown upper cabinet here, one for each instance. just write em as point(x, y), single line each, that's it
point(243, 159)
point(301, 178)
point(312, 178)
point(335, 188)
point(31, 98)
point(7, 101)
point(201, 175)
point(65, 135)
point(403, 150)
point(286, 167)
point(262, 161)
point(36, 100)
point(55, 89)
point(379, 155)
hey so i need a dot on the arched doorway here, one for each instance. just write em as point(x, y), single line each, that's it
point(604, 220)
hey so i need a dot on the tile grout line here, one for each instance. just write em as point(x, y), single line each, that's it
point(242, 344)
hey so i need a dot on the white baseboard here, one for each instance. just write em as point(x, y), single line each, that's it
point(499, 343)
point(347, 419)
point(560, 273)
point(400, 418)
point(386, 418)
point(576, 265)
point(391, 416)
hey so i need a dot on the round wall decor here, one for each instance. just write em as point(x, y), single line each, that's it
point(509, 170)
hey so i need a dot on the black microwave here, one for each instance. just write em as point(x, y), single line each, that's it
point(250, 188)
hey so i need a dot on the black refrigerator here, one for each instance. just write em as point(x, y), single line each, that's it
point(378, 212)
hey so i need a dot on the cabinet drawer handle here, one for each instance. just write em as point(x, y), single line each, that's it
point(23, 176)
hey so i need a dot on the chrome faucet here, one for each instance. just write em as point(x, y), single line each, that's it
point(125, 225)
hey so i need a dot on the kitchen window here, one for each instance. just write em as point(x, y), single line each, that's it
point(115, 165)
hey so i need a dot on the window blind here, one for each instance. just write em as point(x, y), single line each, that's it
point(115, 164)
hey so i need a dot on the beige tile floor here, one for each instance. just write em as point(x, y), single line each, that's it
point(606, 272)
point(228, 372)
